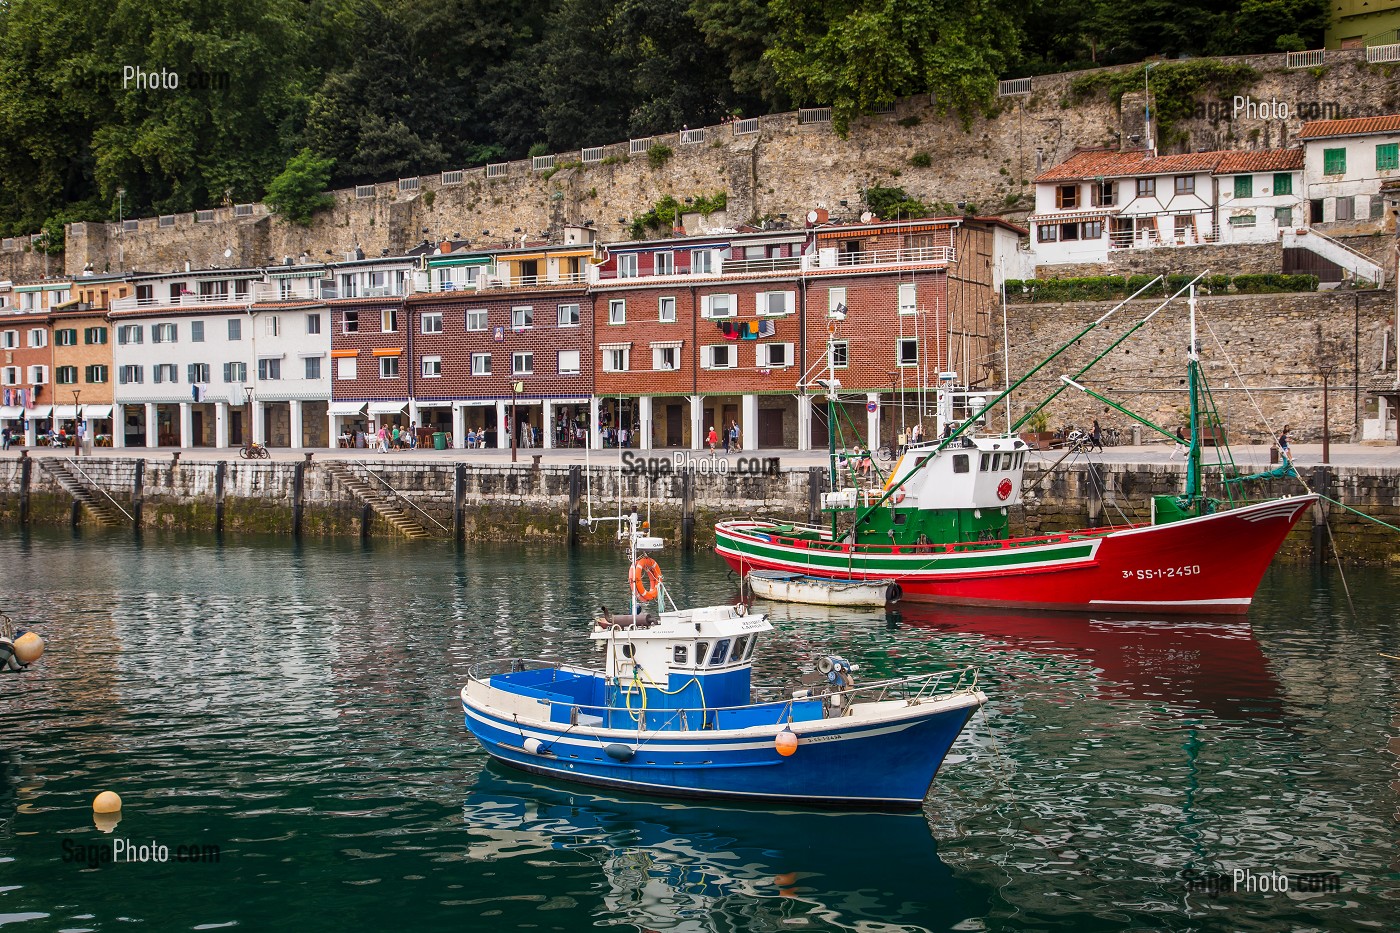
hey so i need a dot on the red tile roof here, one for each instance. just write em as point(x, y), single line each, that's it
point(1103, 163)
point(1259, 160)
point(1357, 126)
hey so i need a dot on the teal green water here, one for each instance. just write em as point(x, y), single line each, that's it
point(296, 707)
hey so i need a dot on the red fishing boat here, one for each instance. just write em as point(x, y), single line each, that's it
point(940, 526)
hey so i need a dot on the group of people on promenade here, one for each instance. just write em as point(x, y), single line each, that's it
point(730, 438)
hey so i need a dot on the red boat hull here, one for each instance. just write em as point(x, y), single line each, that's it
point(1212, 564)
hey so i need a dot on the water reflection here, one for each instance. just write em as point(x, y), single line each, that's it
point(672, 865)
point(1213, 666)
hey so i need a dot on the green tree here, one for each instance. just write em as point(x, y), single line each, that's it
point(857, 55)
point(300, 190)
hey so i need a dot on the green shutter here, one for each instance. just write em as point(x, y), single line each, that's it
point(1283, 183)
point(1387, 157)
point(1334, 161)
point(1244, 186)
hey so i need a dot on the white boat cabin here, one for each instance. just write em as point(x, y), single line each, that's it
point(971, 473)
point(711, 645)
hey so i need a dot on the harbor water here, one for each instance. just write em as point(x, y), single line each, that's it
point(282, 722)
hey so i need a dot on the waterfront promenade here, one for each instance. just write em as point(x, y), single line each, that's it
point(1304, 455)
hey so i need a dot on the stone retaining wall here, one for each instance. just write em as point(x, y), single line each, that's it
point(510, 503)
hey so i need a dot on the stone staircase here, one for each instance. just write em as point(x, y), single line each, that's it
point(1360, 266)
point(393, 508)
point(97, 504)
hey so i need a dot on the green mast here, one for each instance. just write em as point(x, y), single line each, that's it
point(1193, 457)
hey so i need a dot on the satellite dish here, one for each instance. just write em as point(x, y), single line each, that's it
point(811, 217)
point(866, 217)
point(228, 253)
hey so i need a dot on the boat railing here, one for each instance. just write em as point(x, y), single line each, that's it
point(914, 689)
point(952, 547)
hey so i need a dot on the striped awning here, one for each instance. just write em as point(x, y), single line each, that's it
point(346, 408)
point(387, 408)
point(97, 411)
point(389, 351)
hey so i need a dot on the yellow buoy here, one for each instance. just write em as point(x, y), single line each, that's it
point(106, 802)
point(29, 647)
point(786, 742)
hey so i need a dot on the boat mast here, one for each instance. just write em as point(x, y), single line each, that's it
point(1193, 362)
point(831, 411)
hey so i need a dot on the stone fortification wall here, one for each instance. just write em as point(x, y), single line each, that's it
point(503, 503)
point(1268, 351)
point(787, 167)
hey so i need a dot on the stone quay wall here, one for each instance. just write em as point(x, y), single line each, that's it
point(788, 167)
point(515, 503)
point(1269, 351)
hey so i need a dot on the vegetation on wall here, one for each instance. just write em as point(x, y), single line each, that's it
point(300, 190)
point(665, 214)
point(1114, 287)
point(1177, 88)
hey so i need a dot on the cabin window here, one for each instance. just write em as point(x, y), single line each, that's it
point(982, 467)
point(753, 643)
point(680, 654)
point(721, 649)
point(961, 464)
point(739, 647)
point(628, 650)
point(996, 462)
point(701, 649)
point(1020, 460)
point(899, 517)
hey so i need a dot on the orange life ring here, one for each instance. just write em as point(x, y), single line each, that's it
point(646, 578)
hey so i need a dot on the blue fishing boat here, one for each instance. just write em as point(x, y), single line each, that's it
point(673, 712)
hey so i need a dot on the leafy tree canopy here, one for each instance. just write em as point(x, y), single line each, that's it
point(300, 190)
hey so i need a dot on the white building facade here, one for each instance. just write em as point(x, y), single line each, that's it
point(1348, 163)
point(1098, 202)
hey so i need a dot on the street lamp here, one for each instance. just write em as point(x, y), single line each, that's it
point(515, 389)
point(1146, 108)
point(77, 427)
point(249, 395)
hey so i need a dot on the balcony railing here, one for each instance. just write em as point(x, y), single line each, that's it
point(639, 146)
point(811, 115)
point(407, 185)
point(744, 127)
point(531, 281)
point(881, 257)
point(132, 303)
point(542, 163)
point(497, 169)
point(692, 136)
point(1376, 54)
point(1013, 87)
point(1309, 59)
point(452, 178)
point(364, 191)
point(243, 210)
point(774, 264)
point(592, 155)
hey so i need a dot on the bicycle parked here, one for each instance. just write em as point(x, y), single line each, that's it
point(254, 451)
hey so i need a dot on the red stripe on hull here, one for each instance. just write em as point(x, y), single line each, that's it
point(1207, 565)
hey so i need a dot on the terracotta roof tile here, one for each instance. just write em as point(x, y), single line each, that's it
point(1100, 163)
point(1357, 126)
point(1260, 160)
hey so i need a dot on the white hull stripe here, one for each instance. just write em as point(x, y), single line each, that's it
point(650, 740)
